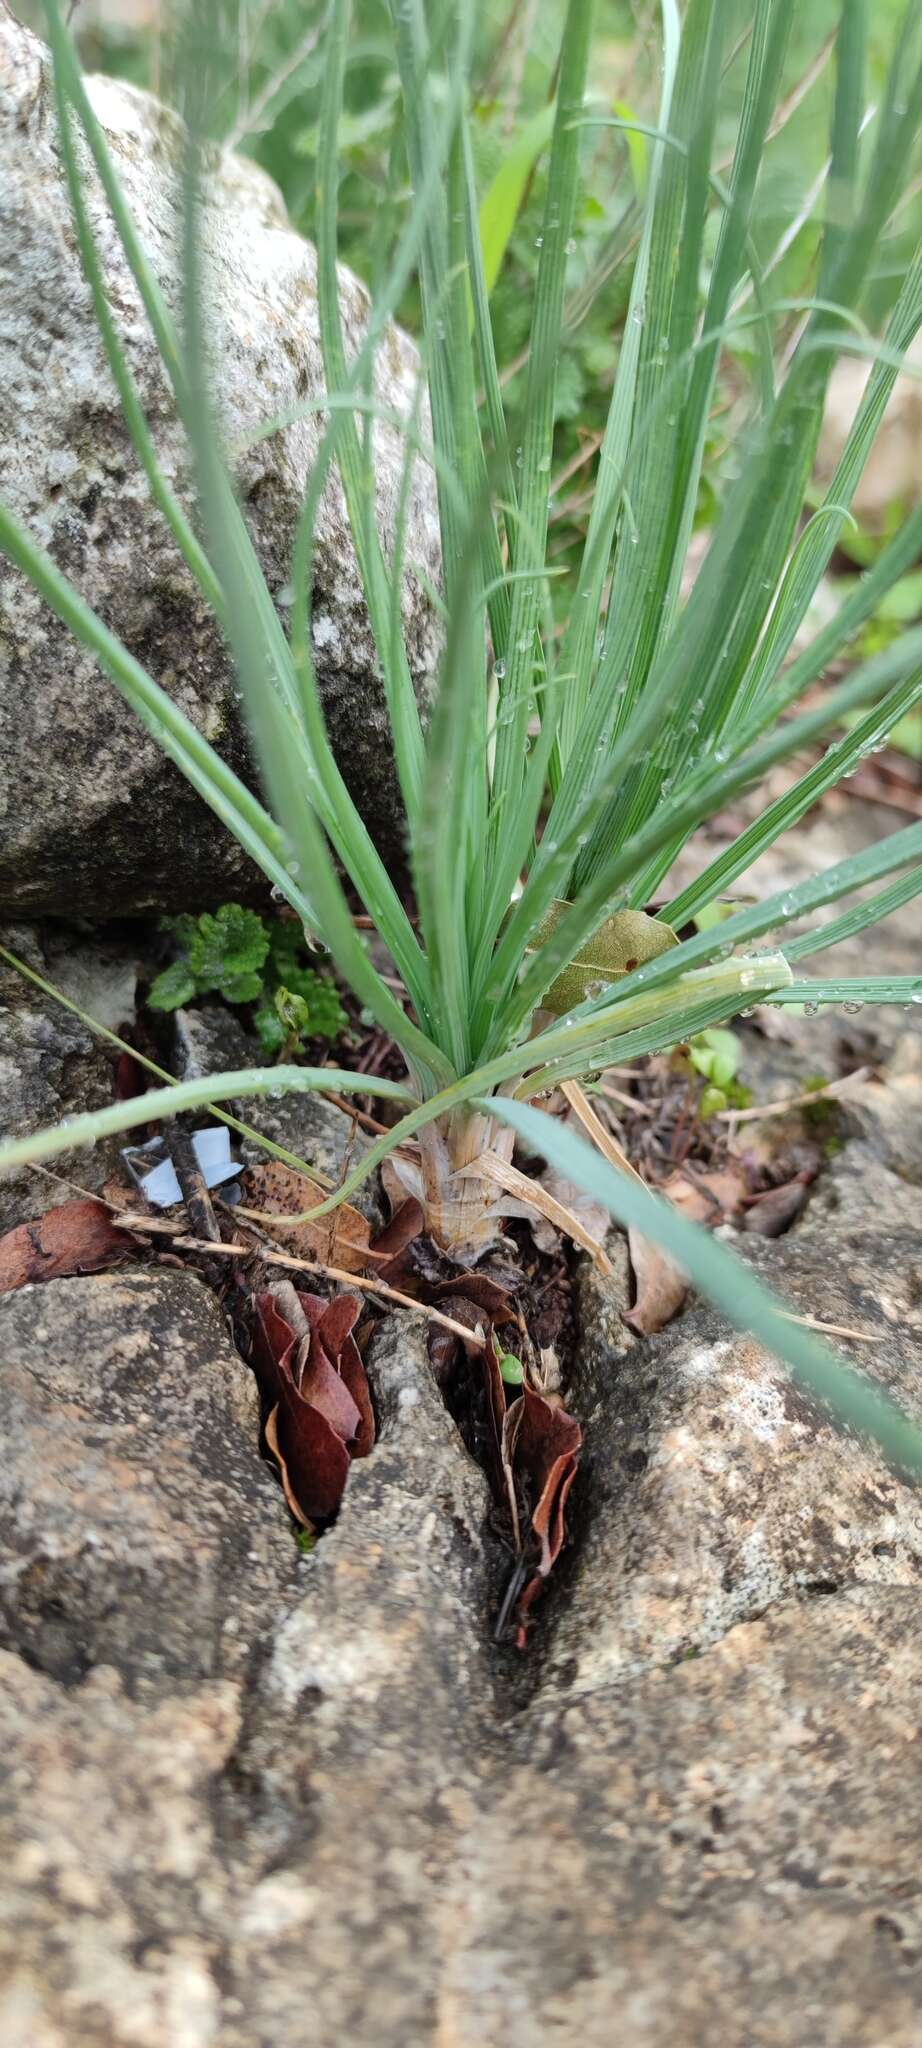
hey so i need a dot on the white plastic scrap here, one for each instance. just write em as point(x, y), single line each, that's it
point(160, 1185)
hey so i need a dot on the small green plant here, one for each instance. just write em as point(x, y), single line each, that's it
point(221, 954)
point(715, 1055)
point(576, 743)
point(246, 958)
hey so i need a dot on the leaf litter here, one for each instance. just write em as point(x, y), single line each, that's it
point(494, 1331)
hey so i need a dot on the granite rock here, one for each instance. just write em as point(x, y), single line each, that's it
point(51, 1065)
point(95, 820)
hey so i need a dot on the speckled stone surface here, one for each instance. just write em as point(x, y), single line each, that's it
point(138, 1526)
point(249, 1799)
point(51, 1064)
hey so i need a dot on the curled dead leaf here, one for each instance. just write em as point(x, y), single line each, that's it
point(314, 1385)
point(542, 1443)
point(772, 1213)
point(660, 1287)
point(405, 1224)
point(272, 1442)
point(76, 1237)
point(709, 1198)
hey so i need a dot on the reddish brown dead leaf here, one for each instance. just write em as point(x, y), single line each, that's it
point(332, 1330)
point(477, 1301)
point(275, 1191)
point(486, 1294)
point(318, 1383)
point(77, 1237)
point(353, 1372)
point(273, 1343)
point(130, 1079)
point(272, 1441)
point(444, 1344)
point(405, 1224)
point(313, 1380)
point(546, 1449)
point(316, 1459)
point(544, 1444)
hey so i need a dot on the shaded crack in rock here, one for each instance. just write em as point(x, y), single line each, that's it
point(712, 1487)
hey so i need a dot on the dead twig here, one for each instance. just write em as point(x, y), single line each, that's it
point(631, 1102)
point(195, 1193)
point(192, 1181)
point(368, 1123)
point(146, 1225)
point(829, 1092)
point(831, 1329)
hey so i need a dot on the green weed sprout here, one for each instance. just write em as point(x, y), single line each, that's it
point(245, 958)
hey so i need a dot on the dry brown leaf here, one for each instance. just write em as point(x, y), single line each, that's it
point(772, 1213)
point(314, 1387)
point(541, 1447)
point(274, 1191)
point(272, 1441)
point(76, 1237)
point(711, 1198)
point(660, 1286)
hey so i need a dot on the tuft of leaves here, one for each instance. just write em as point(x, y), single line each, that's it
point(245, 958)
point(218, 953)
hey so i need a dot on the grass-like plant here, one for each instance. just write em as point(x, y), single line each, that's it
point(561, 770)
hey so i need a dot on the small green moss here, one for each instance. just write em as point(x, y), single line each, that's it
point(821, 1111)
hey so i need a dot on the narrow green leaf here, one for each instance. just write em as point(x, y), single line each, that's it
point(499, 208)
point(905, 990)
point(201, 1093)
point(538, 430)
